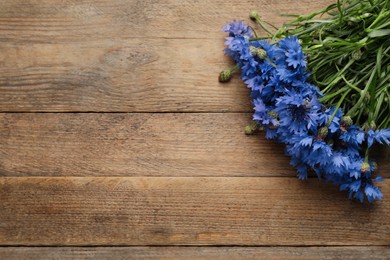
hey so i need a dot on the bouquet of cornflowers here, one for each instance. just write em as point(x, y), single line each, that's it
point(318, 128)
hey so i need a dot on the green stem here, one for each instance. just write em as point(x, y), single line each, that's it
point(253, 30)
point(351, 85)
point(341, 15)
point(363, 94)
point(234, 68)
point(366, 155)
point(327, 97)
point(258, 20)
point(337, 107)
point(337, 76)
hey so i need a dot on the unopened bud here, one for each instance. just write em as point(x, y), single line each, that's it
point(323, 132)
point(273, 113)
point(261, 53)
point(253, 14)
point(308, 56)
point(252, 128)
point(365, 167)
point(248, 130)
point(357, 55)
point(224, 76)
point(253, 50)
point(346, 122)
point(366, 127)
point(373, 125)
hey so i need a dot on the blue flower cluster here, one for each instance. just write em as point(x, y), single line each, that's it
point(318, 139)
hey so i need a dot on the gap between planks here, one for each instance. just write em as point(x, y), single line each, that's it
point(173, 252)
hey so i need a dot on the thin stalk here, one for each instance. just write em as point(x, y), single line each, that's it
point(337, 107)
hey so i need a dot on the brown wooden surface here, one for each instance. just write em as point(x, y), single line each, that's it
point(119, 144)
point(149, 174)
point(136, 145)
point(58, 55)
point(268, 253)
point(185, 211)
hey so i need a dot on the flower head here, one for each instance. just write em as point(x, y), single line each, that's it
point(297, 113)
point(293, 51)
point(237, 28)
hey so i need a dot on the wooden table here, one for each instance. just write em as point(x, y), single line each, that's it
point(117, 142)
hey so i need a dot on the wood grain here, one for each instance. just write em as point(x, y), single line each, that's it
point(185, 211)
point(177, 252)
point(123, 75)
point(123, 56)
point(67, 144)
point(130, 180)
point(72, 20)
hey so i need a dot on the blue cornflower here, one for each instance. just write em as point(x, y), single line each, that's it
point(238, 49)
point(263, 115)
point(296, 112)
point(339, 164)
point(293, 51)
point(380, 136)
point(325, 116)
point(237, 28)
point(292, 76)
point(320, 154)
point(372, 192)
point(274, 87)
point(272, 50)
point(287, 106)
point(256, 84)
point(353, 136)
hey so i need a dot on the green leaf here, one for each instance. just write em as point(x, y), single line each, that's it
point(379, 33)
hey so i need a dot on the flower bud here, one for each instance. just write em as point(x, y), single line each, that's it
point(273, 113)
point(253, 14)
point(248, 130)
point(364, 167)
point(345, 123)
point(253, 50)
point(224, 76)
point(323, 132)
point(357, 55)
point(252, 128)
point(373, 125)
point(366, 127)
point(261, 53)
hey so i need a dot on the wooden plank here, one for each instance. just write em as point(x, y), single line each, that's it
point(68, 144)
point(177, 252)
point(132, 75)
point(185, 211)
point(70, 20)
point(123, 56)
point(80, 144)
